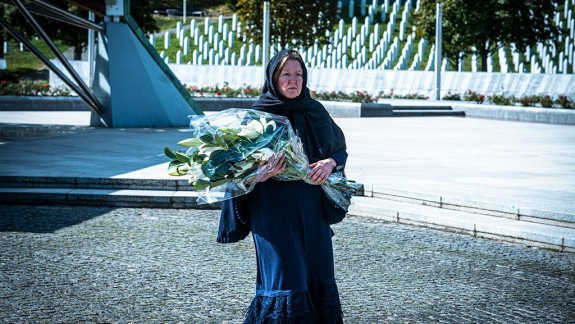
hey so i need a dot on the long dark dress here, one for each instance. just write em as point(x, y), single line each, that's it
point(295, 269)
point(295, 276)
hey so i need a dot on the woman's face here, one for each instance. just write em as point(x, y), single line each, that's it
point(290, 79)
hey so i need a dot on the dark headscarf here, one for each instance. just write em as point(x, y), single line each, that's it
point(320, 136)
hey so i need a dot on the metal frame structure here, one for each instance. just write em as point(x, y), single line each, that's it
point(133, 86)
point(50, 11)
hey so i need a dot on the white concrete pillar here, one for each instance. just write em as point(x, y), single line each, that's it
point(196, 35)
point(211, 56)
point(186, 45)
point(192, 25)
point(350, 11)
point(167, 40)
point(230, 40)
point(201, 42)
point(211, 34)
point(182, 36)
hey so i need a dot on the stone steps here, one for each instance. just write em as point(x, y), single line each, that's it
point(61, 189)
point(461, 221)
point(507, 223)
point(477, 225)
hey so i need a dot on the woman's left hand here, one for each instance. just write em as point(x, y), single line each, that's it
point(321, 170)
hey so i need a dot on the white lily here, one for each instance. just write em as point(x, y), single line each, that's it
point(265, 123)
point(266, 153)
point(252, 130)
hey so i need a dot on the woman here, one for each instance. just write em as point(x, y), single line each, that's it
point(295, 271)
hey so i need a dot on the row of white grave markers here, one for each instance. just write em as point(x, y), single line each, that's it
point(367, 46)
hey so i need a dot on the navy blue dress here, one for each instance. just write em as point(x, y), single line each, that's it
point(295, 272)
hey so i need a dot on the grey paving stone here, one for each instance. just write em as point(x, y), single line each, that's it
point(127, 265)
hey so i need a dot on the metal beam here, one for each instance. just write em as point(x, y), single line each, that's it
point(48, 10)
point(97, 109)
point(88, 93)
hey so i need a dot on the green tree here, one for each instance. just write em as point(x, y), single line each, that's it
point(292, 22)
point(482, 27)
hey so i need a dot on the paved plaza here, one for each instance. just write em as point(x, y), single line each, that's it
point(104, 265)
point(125, 265)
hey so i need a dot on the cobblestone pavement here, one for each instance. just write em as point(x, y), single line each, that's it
point(77, 264)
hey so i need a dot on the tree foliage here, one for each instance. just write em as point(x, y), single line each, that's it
point(292, 22)
point(482, 27)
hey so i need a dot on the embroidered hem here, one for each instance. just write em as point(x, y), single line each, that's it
point(318, 305)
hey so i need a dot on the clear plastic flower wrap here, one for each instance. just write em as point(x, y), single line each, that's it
point(227, 153)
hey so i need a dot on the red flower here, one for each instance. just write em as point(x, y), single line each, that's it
point(201, 94)
point(4, 82)
point(219, 93)
point(47, 86)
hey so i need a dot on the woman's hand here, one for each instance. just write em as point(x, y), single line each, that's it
point(321, 170)
point(269, 168)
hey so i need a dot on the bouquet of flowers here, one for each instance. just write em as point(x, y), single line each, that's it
point(226, 156)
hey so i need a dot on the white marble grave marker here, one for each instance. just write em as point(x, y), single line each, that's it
point(167, 40)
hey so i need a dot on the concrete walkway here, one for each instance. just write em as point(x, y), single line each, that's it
point(501, 169)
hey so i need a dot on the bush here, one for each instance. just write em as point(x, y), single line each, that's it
point(528, 101)
point(474, 96)
point(386, 95)
point(564, 102)
point(501, 100)
point(224, 91)
point(31, 88)
point(362, 97)
point(546, 101)
point(411, 96)
point(330, 96)
point(452, 96)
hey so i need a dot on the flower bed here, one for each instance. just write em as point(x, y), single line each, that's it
point(42, 88)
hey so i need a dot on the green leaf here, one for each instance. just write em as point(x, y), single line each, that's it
point(182, 157)
point(228, 133)
point(208, 139)
point(200, 184)
point(169, 153)
point(221, 142)
point(190, 142)
point(177, 168)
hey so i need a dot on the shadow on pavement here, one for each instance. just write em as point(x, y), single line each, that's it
point(28, 219)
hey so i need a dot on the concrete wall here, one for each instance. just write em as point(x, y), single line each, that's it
point(374, 81)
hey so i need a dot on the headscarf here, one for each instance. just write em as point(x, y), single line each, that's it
point(320, 136)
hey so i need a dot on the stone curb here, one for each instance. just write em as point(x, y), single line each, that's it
point(384, 108)
point(472, 206)
point(135, 187)
point(477, 225)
